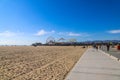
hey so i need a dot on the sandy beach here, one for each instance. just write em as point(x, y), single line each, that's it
point(38, 63)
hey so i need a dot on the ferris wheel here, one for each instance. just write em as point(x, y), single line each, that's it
point(50, 40)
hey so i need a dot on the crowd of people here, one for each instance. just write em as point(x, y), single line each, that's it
point(101, 46)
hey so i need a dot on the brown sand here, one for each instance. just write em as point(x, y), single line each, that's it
point(37, 63)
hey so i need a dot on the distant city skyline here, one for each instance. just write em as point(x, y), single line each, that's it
point(23, 22)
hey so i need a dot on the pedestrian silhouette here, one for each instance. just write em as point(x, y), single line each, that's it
point(108, 47)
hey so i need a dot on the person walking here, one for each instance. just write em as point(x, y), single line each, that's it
point(108, 47)
point(96, 47)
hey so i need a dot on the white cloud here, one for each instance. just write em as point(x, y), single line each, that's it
point(43, 32)
point(114, 31)
point(7, 34)
point(52, 31)
point(10, 34)
point(74, 34)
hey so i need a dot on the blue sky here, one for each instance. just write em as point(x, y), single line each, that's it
point(28, 21)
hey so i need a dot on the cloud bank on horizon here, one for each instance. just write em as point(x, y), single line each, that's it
point(41, 33)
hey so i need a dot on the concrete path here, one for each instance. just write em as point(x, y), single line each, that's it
point(94, 65)
point(113, 51)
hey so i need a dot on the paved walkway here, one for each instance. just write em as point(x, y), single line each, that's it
point(113, 51)
point(94, 65)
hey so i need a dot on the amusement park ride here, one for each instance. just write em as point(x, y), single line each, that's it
point(52, 41)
